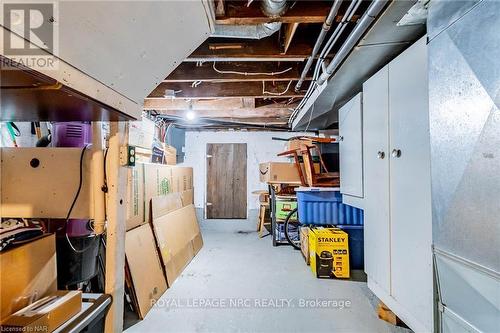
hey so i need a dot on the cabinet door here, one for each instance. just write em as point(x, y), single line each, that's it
point(410, 188)
point(376, 167)
point(351, 147)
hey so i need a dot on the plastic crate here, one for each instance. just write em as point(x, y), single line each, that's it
point(284, 207)
point(280, 231)
point(324, 207)
point(356, 245)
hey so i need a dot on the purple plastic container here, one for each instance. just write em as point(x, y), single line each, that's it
point(71, 134)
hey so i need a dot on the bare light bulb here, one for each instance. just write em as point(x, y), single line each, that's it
point(190, 115)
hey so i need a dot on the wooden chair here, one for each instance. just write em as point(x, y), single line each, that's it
point(307, 173)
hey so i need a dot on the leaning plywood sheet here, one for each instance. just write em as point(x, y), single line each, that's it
point(42, 182)
point(179, 240)
point(165, 204)
point(145, 268)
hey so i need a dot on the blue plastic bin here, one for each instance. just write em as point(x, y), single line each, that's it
point(325, 207)
point(356, 245)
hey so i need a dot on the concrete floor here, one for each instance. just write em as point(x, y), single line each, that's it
point(240, 283)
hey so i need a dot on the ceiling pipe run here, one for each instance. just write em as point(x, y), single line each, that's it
point(361, 27)
point(326, 27)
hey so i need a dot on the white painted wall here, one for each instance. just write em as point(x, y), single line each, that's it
point(260, 148)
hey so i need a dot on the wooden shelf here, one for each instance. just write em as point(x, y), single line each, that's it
point(28, 95)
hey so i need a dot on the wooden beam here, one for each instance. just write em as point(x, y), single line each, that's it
point(239, 113)
point(303, 12)
point(225, 122)
point(232, 89)
point(266, 49)
point(290, 30)
point(197, 104)
point(190, 72)
point(115, 231)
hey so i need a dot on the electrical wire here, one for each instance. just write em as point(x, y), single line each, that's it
point(310, 118)
point(74, 202)
point(272, 93)
point(250, 73)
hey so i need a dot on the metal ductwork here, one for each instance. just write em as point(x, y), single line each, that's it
point(274, 8)
point(258, 31)
point(361, 27)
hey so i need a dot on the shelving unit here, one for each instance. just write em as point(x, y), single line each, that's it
point(67, 94)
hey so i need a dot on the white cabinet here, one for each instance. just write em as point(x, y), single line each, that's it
point(376, 206)
point(398, 221)
point(351, 147)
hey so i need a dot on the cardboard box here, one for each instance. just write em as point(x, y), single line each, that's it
point(157, 181)
point(45, 315)
point(141, 133)
point(329, 252)
point(135, 197)
point(169, 155)
point(144, 265)
point(182, 179)
point(28, 272)
point(165, 204)
point(149, 180)
point(187, 197)
point(304, 243)
point(179, 239)
point(279, 172)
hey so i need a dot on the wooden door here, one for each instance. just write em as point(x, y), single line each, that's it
point(226, 181)
point(376, 165)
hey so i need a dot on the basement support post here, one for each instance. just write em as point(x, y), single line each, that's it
point(116, 214)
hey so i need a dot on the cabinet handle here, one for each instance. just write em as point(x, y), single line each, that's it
point(380, 155)
point(396, 153)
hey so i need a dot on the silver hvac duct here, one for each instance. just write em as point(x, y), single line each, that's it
point(258, 31)
point(274, 8)
point(361, 27)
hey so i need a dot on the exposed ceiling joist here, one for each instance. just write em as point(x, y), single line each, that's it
point(250, 50)
point(220, 9)
point(237, 12)
point(234, 72)
point(208, 104)
point(290, 30)
point(229, 89)
point(262, 112)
